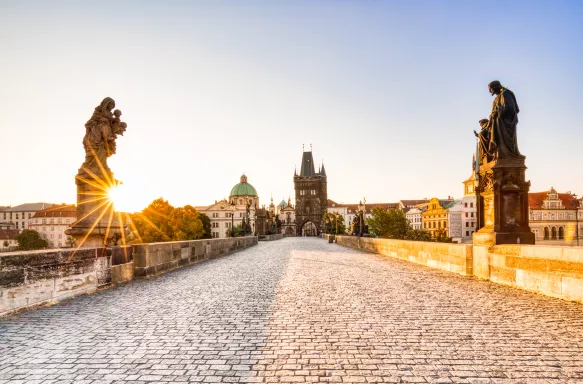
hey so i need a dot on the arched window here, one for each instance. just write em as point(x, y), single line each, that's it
point(554, 233)
point(561, 233)
point(439, 224)
point(546, 233)
point(445, 224)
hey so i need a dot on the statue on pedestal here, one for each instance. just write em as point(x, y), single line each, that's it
point(502, 190)
point(96, 224)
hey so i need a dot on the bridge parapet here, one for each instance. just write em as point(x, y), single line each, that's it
point(551, 270)
point(32, 278)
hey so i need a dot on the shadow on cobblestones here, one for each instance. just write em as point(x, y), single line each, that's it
point(204, 322)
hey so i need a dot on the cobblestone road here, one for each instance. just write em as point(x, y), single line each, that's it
point(298, 310)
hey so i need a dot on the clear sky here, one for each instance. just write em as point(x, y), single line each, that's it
point(387, 92)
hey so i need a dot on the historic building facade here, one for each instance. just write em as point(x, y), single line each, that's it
point(18, 217)
point(435, 219)
point(51, 224)
point(241, 207)
point(311, 190)
point(286, 213)
point(556, 218)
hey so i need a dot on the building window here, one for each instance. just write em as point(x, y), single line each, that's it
point(465, 205)
point(467, 223)
point(466, 214)
point(472, 214)
point(467, 233)
point(471, 205)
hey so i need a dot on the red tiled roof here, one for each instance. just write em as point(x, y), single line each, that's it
point(368, 206)
point(536, 199)
point(8, 234)
point(58, 211)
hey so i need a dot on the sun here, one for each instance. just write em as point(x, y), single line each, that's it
point(122, 201)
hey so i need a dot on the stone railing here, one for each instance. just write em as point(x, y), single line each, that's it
point(31, 278)
point(551, 270)
point(446, 256)
point(270, 237)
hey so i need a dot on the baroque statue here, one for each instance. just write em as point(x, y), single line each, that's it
point(96, 225)
point(101, 132)
point(498, 138)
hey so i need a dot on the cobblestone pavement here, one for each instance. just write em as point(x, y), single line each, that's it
point(298, 310)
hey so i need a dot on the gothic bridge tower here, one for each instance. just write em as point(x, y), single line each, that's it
point(311, 196)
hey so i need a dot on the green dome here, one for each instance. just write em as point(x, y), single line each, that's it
point(243, 188)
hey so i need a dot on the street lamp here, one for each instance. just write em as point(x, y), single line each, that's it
point(233, 207)
point(360, 211)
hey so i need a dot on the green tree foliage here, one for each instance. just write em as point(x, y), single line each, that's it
point(186, 224)
point(334, 221)
point(206, 225)
point(235, 232)
point(388, 223)
point(441, 237)
point(29, 239)
point(419, 235)
point(161, 222)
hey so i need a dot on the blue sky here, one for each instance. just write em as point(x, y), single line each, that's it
point(388, 94)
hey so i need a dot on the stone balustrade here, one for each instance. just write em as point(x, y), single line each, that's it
point(551, 270)
point(32, 278)
point(271, 237)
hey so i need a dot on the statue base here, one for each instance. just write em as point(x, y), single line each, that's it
point(97, 223)
point(503, 213)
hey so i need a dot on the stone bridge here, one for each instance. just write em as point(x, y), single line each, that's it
point(298, 310)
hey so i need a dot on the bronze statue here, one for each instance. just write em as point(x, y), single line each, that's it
point(498, 138)
point(101, 131)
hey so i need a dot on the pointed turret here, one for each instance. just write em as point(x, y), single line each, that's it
point(307, 169)
point(323, 170)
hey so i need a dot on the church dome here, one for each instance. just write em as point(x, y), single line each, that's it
point(243, 188)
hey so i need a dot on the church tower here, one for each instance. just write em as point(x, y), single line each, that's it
point(311, 189)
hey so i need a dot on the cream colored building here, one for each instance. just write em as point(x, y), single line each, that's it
point(556, 218)
point(51, 224)
point(233, 211)
point(18, 217)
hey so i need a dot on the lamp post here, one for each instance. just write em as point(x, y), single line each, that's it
point(360, 211)
point(233, 206)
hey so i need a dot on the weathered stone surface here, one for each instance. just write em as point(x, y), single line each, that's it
point(298, 310)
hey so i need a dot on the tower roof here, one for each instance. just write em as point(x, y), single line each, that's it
point(307, 169)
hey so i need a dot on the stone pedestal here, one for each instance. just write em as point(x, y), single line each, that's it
point(503, 214)
point(97, 223)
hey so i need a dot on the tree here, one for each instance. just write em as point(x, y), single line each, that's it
point(419, 235)
point(185, 223)
point(6, 243)
point(441, 237)
point(388, 223)
point(235, 232)
point(29, 239)
point(206, 225)
point(161, 222)
point(70, 242)
point(333, 221)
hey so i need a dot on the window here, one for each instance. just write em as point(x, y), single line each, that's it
point(60, 235)
point(466, 214)
point(52, 236)
point(215, 225)
point(471, 205)
point(473, 224)
point(44, 236)
point(467, 223)
point(465, 205)
point(240, 214)
point(467, 233)
point(472, 215)
point(60, 244)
